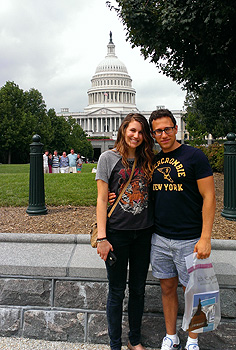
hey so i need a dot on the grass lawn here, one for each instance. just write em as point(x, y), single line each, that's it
point(60, 189)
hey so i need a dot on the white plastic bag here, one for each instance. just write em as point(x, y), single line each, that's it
point(202, 297)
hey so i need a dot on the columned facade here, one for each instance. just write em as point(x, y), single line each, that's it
point(110, 98)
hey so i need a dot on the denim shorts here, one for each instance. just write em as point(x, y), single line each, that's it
point(168, 257)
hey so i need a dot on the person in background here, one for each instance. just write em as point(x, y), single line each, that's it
point(72, 161)
point(79, 163)
point(50, 163)
point(55, 163)
point(127, 233)
point(45, 162)
point(64, 164)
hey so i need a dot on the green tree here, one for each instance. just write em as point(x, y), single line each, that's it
point(194, 43)
point(212, 110)
point(191, 41)
point(35, 105)
point(60, 132)
point(78, 139)
point(15, 126)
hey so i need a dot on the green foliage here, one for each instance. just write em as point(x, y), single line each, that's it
point(78, 139)
point(36, 106)
point(60, 189)
point(215, 155)
point(190, 41)
point(23, 114)
point(13, 125)
point(212, 110)
point(194, 43)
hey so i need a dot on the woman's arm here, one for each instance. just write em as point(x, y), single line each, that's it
point(103, 247)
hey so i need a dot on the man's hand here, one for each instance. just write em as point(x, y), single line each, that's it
point(111, 197)
point(203, 248)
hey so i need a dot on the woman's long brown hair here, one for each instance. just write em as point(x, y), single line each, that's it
point(144, 152)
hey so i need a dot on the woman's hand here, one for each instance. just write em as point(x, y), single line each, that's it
point(103, 249)
point(111, 197)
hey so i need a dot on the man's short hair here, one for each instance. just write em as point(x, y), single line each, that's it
point(160, 113)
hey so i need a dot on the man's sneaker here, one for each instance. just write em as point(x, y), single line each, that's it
point(192, 347)
point(168, 344)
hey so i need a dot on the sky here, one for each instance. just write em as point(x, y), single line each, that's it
point(55, 46)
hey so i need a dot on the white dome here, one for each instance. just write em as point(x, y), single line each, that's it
point(111, 84)
point(111, 64)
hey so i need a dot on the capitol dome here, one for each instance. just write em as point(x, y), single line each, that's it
point(111, 84)
point(111, 64)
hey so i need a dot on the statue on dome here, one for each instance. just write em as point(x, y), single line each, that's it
point(111, 38)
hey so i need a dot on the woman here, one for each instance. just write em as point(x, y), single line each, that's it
point(50, 162)
point(127, 233)
point(79, 163)
point(64, 163)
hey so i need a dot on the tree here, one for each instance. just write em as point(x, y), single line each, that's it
point(68, 134)
point(78, 139)
point(212, 110)
point(195, 40)
point(192, 42)
point(15, 122)
point(60, 132)
point(35, 105)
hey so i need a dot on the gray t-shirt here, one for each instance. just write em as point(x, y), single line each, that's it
point(134, 210)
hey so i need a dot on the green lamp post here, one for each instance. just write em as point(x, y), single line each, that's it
point(36, 183)
point(229, 211)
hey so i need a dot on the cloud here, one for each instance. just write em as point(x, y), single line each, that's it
point(55, 47)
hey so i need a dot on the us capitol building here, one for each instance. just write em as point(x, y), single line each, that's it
point(110, 98)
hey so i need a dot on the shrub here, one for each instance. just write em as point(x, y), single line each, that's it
point(215, 155)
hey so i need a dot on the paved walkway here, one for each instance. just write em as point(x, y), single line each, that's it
point(31, 344)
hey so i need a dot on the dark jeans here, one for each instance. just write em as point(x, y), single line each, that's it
point(133, 247)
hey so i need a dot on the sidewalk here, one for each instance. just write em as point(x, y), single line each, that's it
point(32, 344)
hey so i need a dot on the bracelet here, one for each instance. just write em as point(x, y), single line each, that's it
point(99, 240)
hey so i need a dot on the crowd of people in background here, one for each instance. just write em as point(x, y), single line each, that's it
point(54, 163)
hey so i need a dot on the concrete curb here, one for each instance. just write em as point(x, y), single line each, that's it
point(217, 244)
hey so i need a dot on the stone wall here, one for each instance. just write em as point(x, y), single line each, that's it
point(70, 305)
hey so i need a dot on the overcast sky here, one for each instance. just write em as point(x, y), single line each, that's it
point(55, 46)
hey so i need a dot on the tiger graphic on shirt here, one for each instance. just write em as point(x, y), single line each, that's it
point(135, 198)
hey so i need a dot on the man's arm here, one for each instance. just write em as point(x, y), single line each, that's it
point(207, 190)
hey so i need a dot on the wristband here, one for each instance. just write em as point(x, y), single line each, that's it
point(99, 240)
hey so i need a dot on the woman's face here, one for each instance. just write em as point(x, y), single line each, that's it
point(134, 134)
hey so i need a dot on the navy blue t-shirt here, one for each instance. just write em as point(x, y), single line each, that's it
point(177, 201)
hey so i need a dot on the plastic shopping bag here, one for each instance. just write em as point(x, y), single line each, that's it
point(202, 296)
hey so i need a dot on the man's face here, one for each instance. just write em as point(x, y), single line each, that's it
point(72, 151)
point(166, 141)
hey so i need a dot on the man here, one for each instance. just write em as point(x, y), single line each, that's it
point(72, 161)
point(55, 163)
point(45, 162)
point(184, 201)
